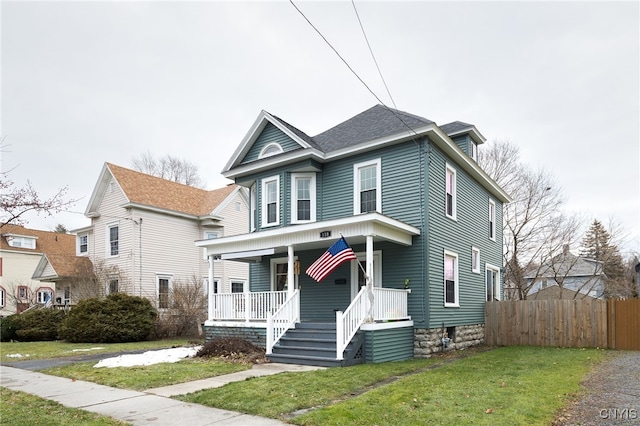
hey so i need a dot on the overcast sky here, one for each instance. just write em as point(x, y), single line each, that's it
point(85, 83)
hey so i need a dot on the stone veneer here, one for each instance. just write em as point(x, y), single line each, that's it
point(429, 341)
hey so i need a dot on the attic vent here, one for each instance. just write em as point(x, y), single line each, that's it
point(271, 149)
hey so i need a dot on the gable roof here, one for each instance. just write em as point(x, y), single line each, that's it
point(47, 242)
point(456, 128)
point(64, 266)
point(567, 264)
point(144, 190)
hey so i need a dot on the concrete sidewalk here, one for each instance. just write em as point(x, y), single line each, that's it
point(152, 407)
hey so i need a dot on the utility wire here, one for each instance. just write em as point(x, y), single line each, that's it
point(372, 55)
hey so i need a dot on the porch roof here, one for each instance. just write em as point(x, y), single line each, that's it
point(251, 247)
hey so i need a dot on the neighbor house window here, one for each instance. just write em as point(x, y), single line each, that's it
point(205, 284)
point(493, 283)
point(367, 187)
point(270, 201)
point(237, 286)
point(113, 247)
point(303, 198)
point(451, 192)
point(43, 295)
point(492, 220)
point(113, 286)
point(21, 242)
point(164, 289)
point(209, 235)
point(83, 244)
point(23, 292)
point(67, 296)
point(475, 260)
point(450, 279)
point(3, 297)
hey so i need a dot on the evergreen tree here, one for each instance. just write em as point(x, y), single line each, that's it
point(597, 245)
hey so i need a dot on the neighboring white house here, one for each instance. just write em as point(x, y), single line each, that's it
point(567, 276)
point(143, 230)
point(22, 250)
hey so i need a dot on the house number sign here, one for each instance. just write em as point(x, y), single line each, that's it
point(325, 234)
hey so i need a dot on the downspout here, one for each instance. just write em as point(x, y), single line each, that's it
point(210, 285)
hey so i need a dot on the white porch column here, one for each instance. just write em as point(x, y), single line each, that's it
point(210, 285)
point(290, 273)
point(370, 281)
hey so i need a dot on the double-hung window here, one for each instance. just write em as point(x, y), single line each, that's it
point(451, 192)
point(492, 220)
point(493, 283)
point(451, 279)
point(303, 198)
point(113, 247)
point(367, 187)
point(83, 244)
point(271, 201)
point(164, 291)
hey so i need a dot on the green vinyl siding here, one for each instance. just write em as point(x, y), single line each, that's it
point(270, 134)
point(393, 344)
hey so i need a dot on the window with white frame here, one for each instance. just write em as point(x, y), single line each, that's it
point(271, 149)
point(209, 235)
point(67, 296)
point(254, 209)
point(113, 247)
point(303, 197)
point(475, 260)
point(43, 295)
point(279, 274)
point(23, 292)
point(163, 284)
point(205, 285)
point(21, 241)
point(451, 192)
point(271, 201)
point(492, 220)
point(237, 286)
point(367, 187)
point(474, 151)
point(83, 244)
point(3, 297)
point(493, 283)
point(451, 279)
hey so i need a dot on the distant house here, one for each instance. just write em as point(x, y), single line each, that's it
point(567, 276)
point(22, 252)
point(142, 233)
point(423, 219)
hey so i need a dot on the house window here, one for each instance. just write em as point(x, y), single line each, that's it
point(3, 298)
point(113, 240)
point(492, 220)
point(271, 149)
point(67, 296)
point(303, 198)
point(271, 201)
point(450, 279)
point(164, 287)
point(21, 242)
point(205, 285)
point(450, 202)
point(83, 244)
point(254, 210)
point(279, 274)
point(493, 283)
point(112, 286)
point(43, 295)
point(367, 187)
point(208, 235)
point(23, 292)
point(237, 286)
point(474, 151)
point(475, 260)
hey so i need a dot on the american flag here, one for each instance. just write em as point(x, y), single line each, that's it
point(335, 255)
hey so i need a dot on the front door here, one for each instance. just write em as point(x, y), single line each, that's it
point(357, 272)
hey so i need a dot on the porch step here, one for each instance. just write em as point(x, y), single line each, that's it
point(312, 344)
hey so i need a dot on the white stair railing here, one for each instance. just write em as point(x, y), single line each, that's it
point(349, 322)
point(282, 319)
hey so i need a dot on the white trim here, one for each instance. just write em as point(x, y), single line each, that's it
point(492, 219)
point(272, 272)
point(253, 206)
point(475, 266)
point(356, 185)
point(242, 281)
point(456, 280)
point(263, 152)
point(454, 191)
point(496, 284)
point(265, 182)
point(294, 197)
point(386, 325)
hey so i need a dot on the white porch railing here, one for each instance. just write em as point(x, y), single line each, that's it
point(390, 304)
point(247, 306)
point(283, 319)
point(349, 322)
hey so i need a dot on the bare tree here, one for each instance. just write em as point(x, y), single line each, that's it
point(16, 202)
point(170, 168)
point(535, 229)
point(97, 280)
point(187, 310)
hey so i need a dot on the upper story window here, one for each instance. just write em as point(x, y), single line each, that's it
point(451, 279)
point(303, 198)
point(451, 192)
point(21, 241)
point(83, 244)
point(474, 151)
point(271, 149)
point(113, 240)
point(271, 201)
point(367, 187)
point(492, 220)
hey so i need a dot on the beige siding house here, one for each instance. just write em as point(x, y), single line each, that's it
point(35, 266)
point(143, 228)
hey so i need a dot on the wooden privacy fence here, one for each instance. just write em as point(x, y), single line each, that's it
point(578, 323)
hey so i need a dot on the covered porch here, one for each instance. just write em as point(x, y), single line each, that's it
point(358, 301)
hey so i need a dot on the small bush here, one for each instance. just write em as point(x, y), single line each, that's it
point(8, 328)
point(119, 318)
point(232, 348)
point(38, 325)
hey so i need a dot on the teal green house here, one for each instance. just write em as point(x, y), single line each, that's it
point(422, 218)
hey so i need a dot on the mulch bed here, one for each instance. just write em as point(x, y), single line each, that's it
point(233, 349)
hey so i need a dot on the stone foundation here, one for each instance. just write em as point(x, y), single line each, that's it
point(257, 336)
point(429, 341)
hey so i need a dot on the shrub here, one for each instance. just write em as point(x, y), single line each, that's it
point(8, 328)
point(37, 325)
point(187, 310)
point(115, 319)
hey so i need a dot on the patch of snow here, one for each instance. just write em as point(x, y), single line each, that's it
point(149, 357)
point(16, 355)
point(85, 350)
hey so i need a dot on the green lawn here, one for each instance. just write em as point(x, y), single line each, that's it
point(511, 386)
